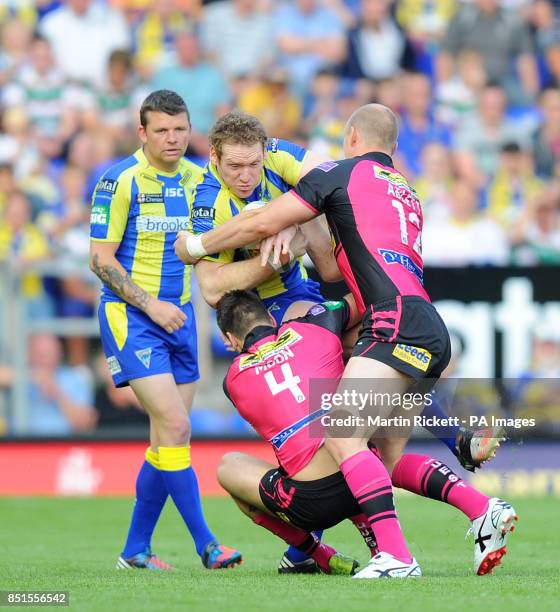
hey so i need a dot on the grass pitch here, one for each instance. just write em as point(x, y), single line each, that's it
point(73, 544)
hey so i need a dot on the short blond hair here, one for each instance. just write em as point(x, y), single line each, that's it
point(236, 127)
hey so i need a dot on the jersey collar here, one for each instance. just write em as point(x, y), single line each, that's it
point(256, 334)
point(380, 158)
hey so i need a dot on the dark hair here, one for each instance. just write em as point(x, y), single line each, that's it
point(511, 147)
point(120, 56)
point(238, 311)
point(40, 38)
point(236, 127)
point(163, 101)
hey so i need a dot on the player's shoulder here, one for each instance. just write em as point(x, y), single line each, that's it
point(191, 171)
point(116, 177)
point(328, 174)
point(117, 171)
point(207, 188)
point(279, 147)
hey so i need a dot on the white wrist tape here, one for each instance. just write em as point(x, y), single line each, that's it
point(195, 247)
point(257, 205)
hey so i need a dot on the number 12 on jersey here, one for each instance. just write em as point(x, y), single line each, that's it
point(414, 220)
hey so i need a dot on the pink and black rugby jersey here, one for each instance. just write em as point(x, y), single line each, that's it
point(268, 382)
point(376, 221)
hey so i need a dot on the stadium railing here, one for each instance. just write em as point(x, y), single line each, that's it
point(16, 328)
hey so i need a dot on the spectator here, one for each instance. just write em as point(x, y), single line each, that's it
point(18, 148)
point(22, 243)
point(464, 237)
point(24, 10)
point(501, 37)
point(7, 184)
point(513, 185)
point(115, 104)
point(536, 235)
point(418, 126)
point(320, 101)
point(310, 38)
point(48, 99)
point(155, 33)
point(457, 96)
point(479, 140)
point(271, 101)
point(59, 397)
point(327, 135)
point(390, 93)
point(547, 41)
point(546, 140)
point(198, 82)
point(226, 23)
point(14, 45)
point(376, 47)
point(435, 181)
point(115, 407)
point(425, 24)
point(82, 34)
point(69, 232)
point(545, 361)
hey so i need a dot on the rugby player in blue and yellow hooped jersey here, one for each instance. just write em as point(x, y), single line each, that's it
point(245, 166)
point(147, 321)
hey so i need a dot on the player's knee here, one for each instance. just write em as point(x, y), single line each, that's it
point(342, 448)
point(177, 429)
point(228, 466)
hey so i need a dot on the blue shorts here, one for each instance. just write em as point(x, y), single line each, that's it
point(135, 347)
point(309, 291)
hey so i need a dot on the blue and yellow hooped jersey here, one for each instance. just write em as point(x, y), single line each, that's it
point(213, 203)
point(143, 208)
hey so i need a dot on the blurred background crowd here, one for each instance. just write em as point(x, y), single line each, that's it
point(475, 84)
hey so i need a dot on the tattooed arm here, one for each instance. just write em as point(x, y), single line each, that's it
point(104, 264)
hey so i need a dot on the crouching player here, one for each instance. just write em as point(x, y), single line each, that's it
point(306, 491)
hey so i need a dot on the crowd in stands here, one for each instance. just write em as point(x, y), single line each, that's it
point(475, 84)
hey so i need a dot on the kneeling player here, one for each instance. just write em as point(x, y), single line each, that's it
point(307, 491)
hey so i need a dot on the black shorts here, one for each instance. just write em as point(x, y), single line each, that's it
point(407, 334)
point(310, 504)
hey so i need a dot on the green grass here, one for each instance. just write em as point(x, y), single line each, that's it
point(72, 544)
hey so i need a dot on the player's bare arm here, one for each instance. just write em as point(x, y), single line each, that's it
point(215, 278)
point(245, 229)
point(320, 249)
point(105, 266)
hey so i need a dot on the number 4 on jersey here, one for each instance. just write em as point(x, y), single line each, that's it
point(290, 383)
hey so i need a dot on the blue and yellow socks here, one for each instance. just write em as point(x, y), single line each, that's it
point(181, 483)
point(151, 494)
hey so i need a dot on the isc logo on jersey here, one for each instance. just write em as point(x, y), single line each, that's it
point(417, 357)
point(172, 192)
point(161, 224)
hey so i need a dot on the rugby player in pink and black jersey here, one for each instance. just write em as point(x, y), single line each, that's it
point(269, 383)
